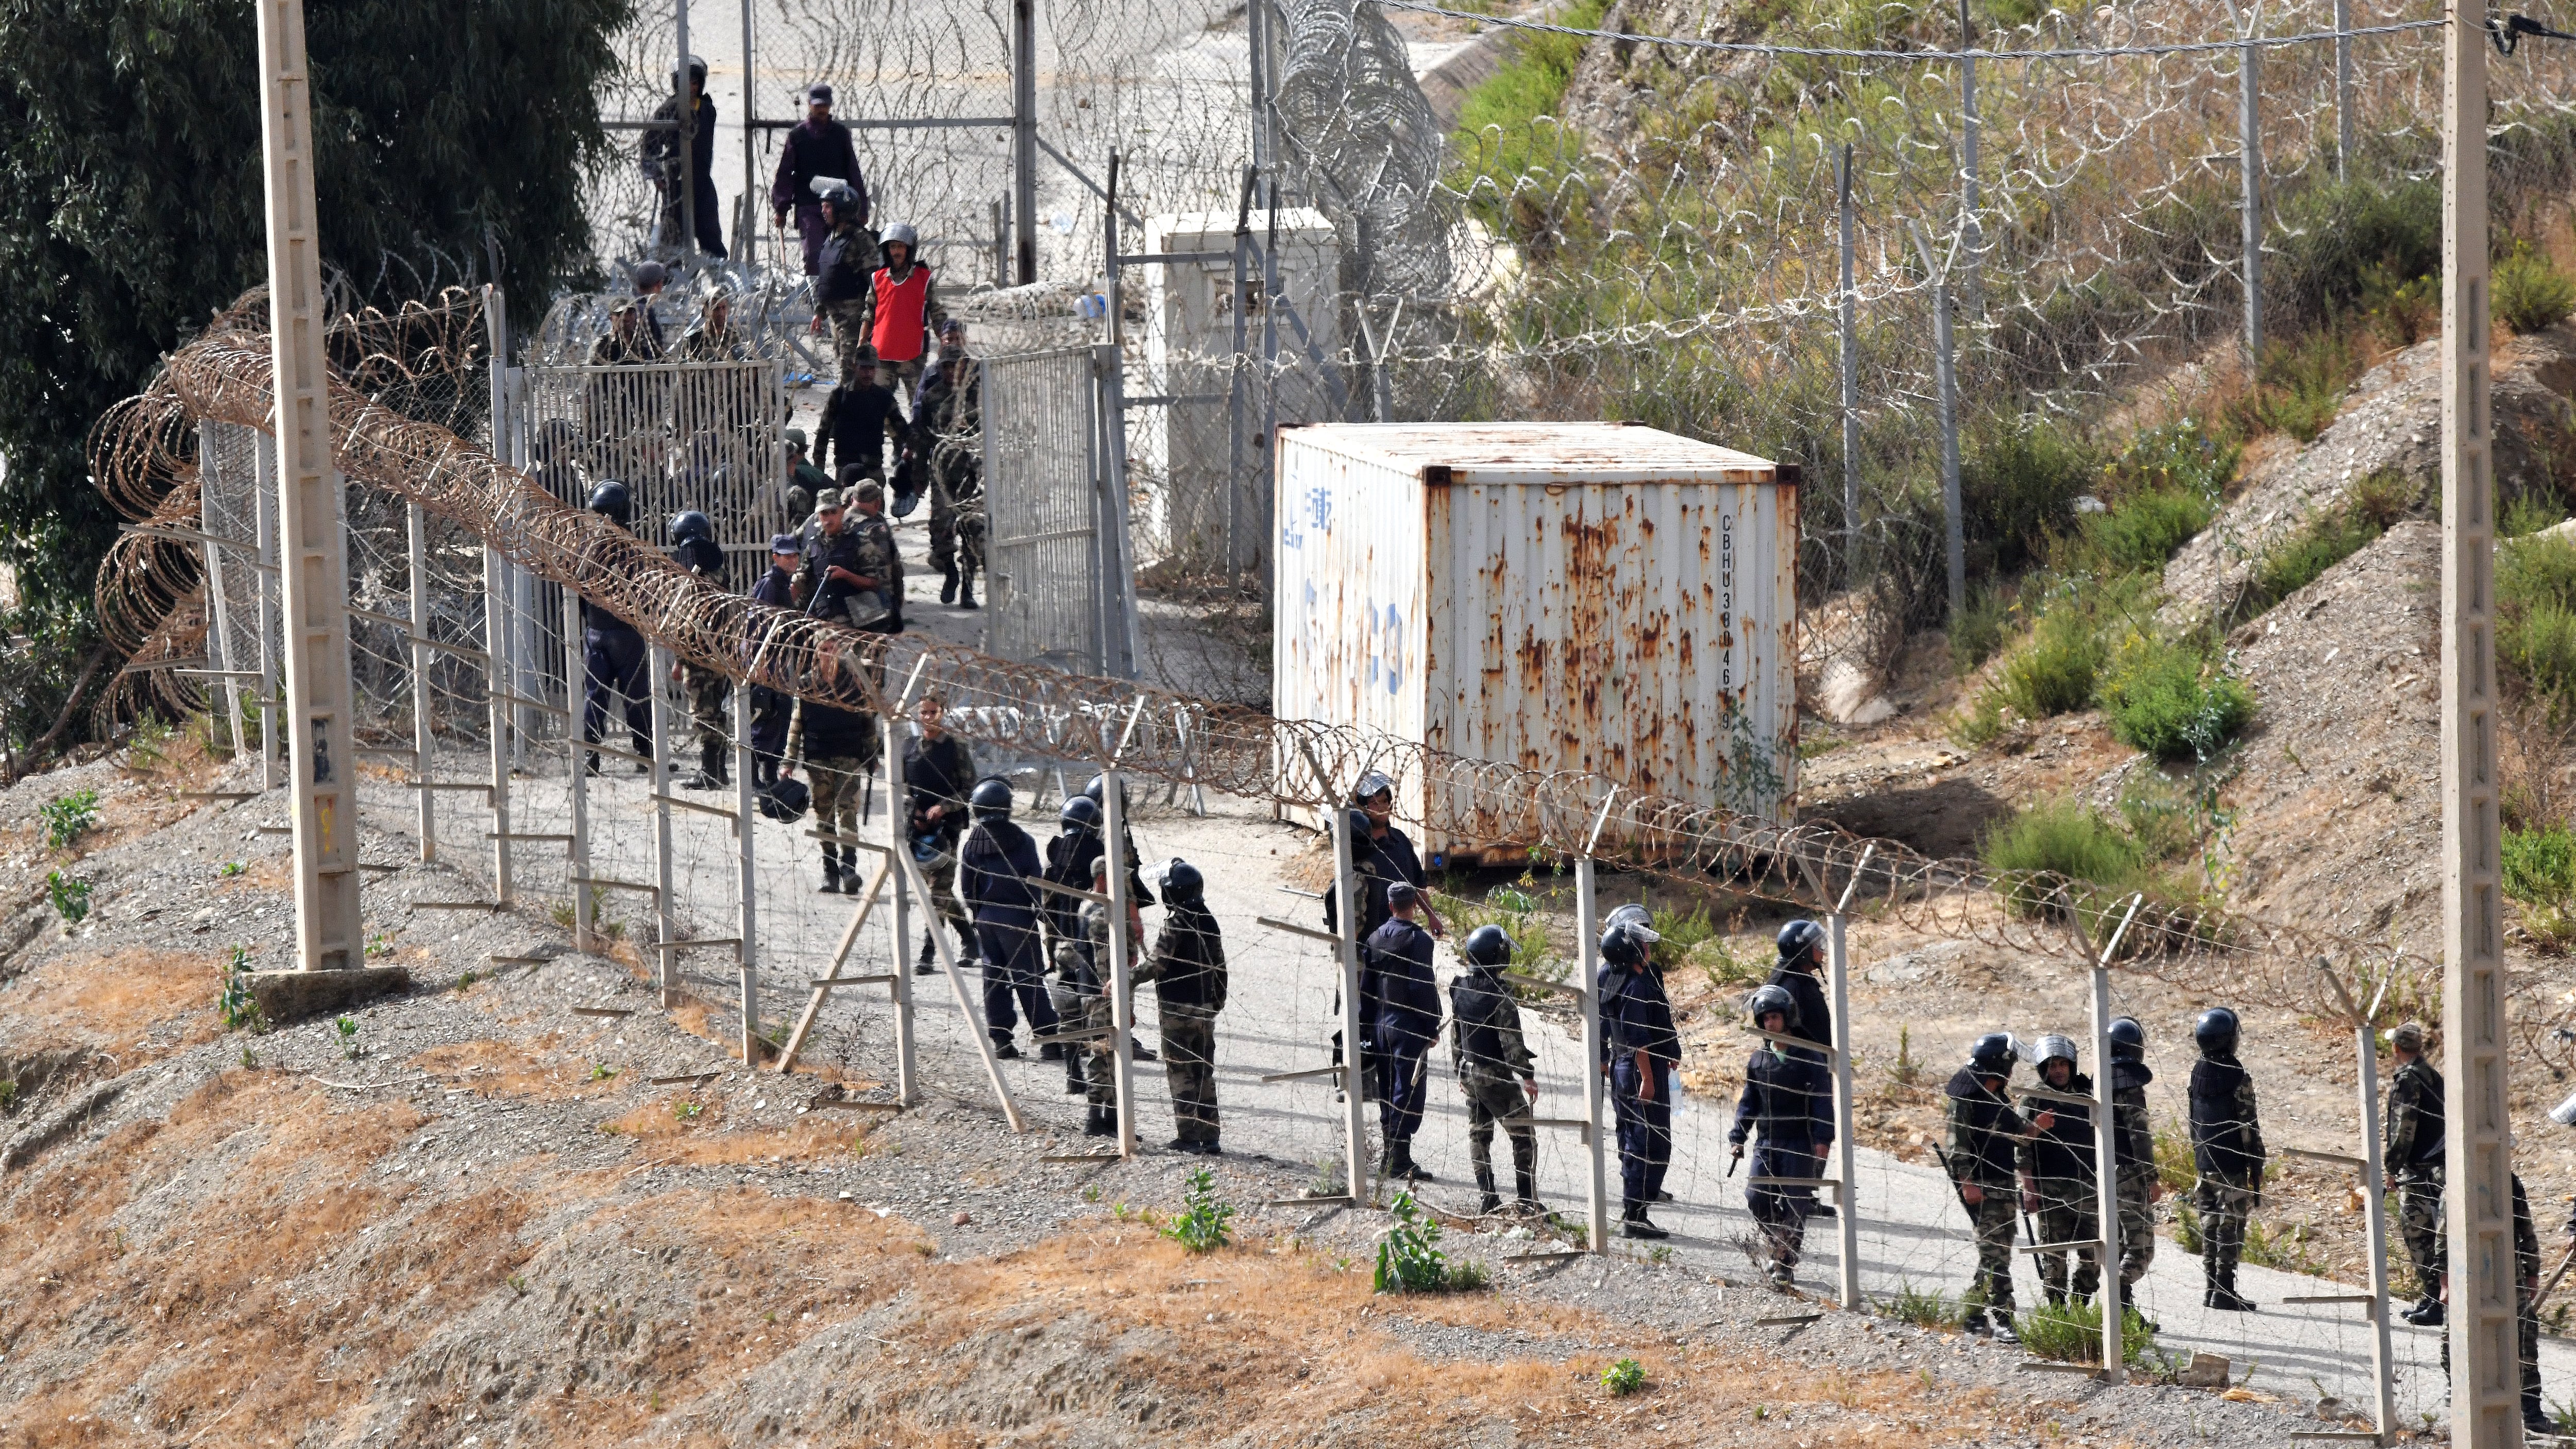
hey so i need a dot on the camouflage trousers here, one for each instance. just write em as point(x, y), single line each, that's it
point(2137, 1224)
point(941, 872)
point(849, 336)
point(1992, 1221)
point(838, 781)
point(2068, 1213)
point(2419, 1226)
point(1088, 1065)
point(708, 694)
point(2224, 1209)
point(1189, 1066)
point(1491, 1100)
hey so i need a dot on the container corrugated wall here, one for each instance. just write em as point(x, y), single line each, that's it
point(1561, 597)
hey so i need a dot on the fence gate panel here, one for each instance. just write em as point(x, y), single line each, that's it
point(1042, 508)
point(681, 435)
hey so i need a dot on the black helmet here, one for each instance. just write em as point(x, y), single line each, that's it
point(691, 524)
point(1622, 948)
point(1769, 999)
point(1800, 941)
point(612, 499)
point(1182, 881)
point(992, 798)
point(697, 70)
point(844, 203)
point(2128, 1040)
point(787, 800)
point(1993, 1052)
point(2215, 1031)
point(1097, 791)
point(1487, 946)
point(1079, 816)
point(1362, 829)
point(1631, 914)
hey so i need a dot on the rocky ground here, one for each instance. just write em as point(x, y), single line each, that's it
point(488, 1213)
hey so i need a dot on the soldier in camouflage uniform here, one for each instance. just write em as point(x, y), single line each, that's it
point(2413, 1161)
point(947, 433)
point(694, 547)
point(2133, 1150)
point(2057, 1173)
point(1983, 1132)
point(2227, 1148)
point(1082, 962)
point(1495, 1068)
point(1188, 972)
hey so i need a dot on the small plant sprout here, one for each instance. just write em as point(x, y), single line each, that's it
point(250, 1059)
point(519, 1285)
point(8, 1094)
point(1623, 1377)
point(1202, 1227)
point(235, 1003)
point(350, 1046)
point(688, 1111)
point(601, 1071)
point(230, 868)
point(70, 897)
point(67, 819)
point(1409, 1259)
point(380, 944)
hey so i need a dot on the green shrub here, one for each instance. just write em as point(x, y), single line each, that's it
point(2144, 529)
point(68, 818)
point(2053, 674)
point(1923, 1307)
point(1977, 630)
point(2061, 838)
point(1515, 909)
point(2167, 700)
point(2018, 485)
point(70, 897)
point(1201, 1227)
point(1409, 1259)
point(2072, 1333)
point(2300, 385)
point(2180, 455)
point(1623, 1378)
point(234, 1003)
point(2347, 245)
point(2526, 514)
point(2368, 510)
point(2536, 620)
point(2540, 872)
point(2528, 293)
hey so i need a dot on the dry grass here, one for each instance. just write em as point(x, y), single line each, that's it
point(107, 1001)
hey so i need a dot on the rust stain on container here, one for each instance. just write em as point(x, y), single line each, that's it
point(1561, 596)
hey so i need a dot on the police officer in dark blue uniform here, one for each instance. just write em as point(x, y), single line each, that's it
point(1406, 1023)
point(1640, 1046)
point(1788, 1098)
point(612, 653)
point(995, 864)
point(1798, 972)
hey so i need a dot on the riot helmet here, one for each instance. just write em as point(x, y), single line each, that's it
point(1992, 1054)
point(902, 234)
point(2128, 1040)
point(1768, 999)
point(992, 798)
point(612, 499)
point(1098, 790)
point(1621, 946)
point(2215, 1032)
point(1636, 917)
point(691, 524)
point(1487, 946)
point(1180, 882)
point(1800, 941)
point(1079, 816)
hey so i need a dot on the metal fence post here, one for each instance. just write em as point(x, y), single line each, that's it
point(1122, 1004)
point(271, 641)
point(1024, 136)
point(424, 732)
point(747, 812)
point(577, 775)
point(1971, 233)
point(746, 241)
point(2343, 90)
point(1838, 984)
point(899, 912)
point(690, 161)
point(657, 666)
point(2249, 120)
point(219, 614)
point(2374, 1182)
point(1347, 946)
point(1235, 421)
point(496, 676)
point(1587, 930)
point(1850, 338)
point(1945, 369)
point(1118, 641)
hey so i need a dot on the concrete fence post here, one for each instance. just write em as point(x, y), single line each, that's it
point(657, 671)
point(1587, 931)
point(424, 714)
point(1122, 969)
point(496, 689)
point(746, 807)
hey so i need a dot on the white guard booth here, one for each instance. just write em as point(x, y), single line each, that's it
point(1189, 347)
point(1561, 596)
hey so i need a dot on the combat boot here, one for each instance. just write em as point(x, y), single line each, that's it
point(948, 584)
point(2535, 1416)
point(1525, 1178)
point(831, 873)
point(1074, 1084)
point(592, 767)
point(2223, 1296)
point(2427, 1313)
point(1635, 1224)
point(966, 588)
point(929, 962)
point(1488, 1200)
point(1100, 1122)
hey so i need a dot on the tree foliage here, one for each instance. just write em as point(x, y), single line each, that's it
point(447, 137)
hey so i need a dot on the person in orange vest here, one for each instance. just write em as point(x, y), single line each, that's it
point(901, 311)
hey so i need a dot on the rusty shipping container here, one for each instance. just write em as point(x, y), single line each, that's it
point(1561, 596)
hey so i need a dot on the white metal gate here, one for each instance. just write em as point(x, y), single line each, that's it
point(681, 435)
point(1055, 504)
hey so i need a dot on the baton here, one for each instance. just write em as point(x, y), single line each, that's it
point(1738, 1156)
point(2552, 1285)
